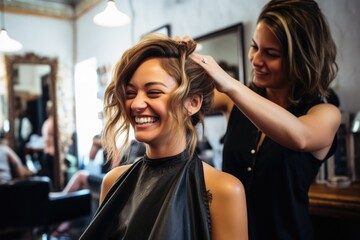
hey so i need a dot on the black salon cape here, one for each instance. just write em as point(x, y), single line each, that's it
point(155, 199)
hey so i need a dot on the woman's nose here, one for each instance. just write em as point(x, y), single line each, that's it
point(256, 58)
point(139, 103)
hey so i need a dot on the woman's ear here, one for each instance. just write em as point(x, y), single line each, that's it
point(193, 104)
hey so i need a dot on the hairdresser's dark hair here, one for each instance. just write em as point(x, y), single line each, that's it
point(309, 51)
point(191, 78)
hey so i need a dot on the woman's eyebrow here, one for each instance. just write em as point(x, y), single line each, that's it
point(148, 84)
point(267, 48)
point(155, 83)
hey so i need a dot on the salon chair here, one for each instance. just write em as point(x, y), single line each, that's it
point(25, 204)
point(94, 181)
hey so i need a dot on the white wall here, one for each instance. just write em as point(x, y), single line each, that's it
point(344, 20)
point(43, 36)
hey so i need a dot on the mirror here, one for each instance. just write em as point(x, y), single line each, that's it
point(32, 101)
point(227, 48)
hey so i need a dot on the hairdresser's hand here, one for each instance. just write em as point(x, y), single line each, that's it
point(223, 81)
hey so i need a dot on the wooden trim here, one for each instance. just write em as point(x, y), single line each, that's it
point(52, 12)
point(23, 11)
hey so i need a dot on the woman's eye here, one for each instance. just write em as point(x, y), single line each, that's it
point(273, 55)
point(154, 93)
point(253, 46)
point(130, 94)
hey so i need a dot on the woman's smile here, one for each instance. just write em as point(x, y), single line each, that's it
point(145, 120)
point(260, 73)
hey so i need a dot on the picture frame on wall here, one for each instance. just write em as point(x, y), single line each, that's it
point(165, 29)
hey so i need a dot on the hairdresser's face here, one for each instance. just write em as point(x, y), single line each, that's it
point(265, 56)
point(147, 96)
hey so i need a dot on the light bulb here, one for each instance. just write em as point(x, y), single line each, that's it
point(111, 16)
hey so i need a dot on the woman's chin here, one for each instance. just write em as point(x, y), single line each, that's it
point(141, 138)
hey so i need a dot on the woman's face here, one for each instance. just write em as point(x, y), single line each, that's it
point(266, 58)
point(147, 96)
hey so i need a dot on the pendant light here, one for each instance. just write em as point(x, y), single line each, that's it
point(111, 16)
point(7, 44)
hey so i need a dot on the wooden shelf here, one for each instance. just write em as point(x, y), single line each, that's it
point(335, 202)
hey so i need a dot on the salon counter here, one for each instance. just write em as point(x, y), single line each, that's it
point(335, 212)
point(335, 202)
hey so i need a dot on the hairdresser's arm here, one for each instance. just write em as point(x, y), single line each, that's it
point(313, 132)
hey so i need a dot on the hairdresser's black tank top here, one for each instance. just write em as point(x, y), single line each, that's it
point(276, 179)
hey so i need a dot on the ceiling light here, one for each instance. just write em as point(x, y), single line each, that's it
point(111, 16)
point(7, 44)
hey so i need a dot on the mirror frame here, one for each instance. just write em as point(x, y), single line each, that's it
point(238, 30)
point(31, 58)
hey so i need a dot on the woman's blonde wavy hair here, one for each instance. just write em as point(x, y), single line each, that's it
point(191, 78)
point(309, 51)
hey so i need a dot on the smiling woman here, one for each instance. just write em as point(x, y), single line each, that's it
point(169, 193)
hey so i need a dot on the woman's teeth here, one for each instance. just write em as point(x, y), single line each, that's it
point(145, 120)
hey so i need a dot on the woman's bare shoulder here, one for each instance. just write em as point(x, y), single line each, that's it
point(110, 178)
point(115, 173)
point(221, 183)
point(227, 202)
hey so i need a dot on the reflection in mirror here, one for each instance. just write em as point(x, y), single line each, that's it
point(32, 103)
point(31, 93)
